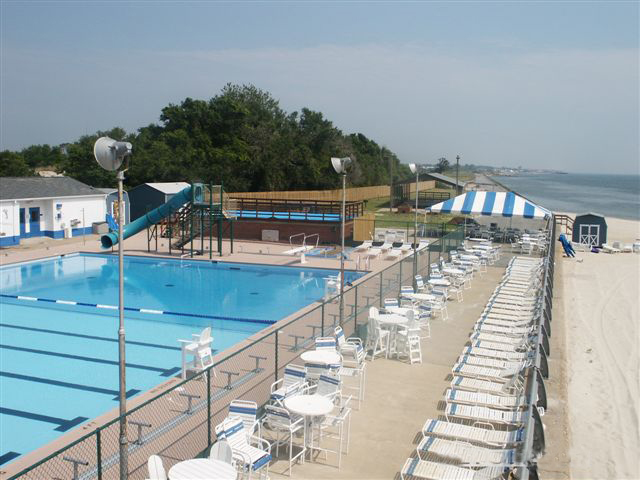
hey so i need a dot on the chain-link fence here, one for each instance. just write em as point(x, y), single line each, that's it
point(179, 423)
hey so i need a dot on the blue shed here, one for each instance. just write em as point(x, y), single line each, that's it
point(590, 229)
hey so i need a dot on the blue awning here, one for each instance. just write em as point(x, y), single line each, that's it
point(506, 204)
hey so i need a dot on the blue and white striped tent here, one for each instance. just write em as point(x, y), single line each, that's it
point(506, 204)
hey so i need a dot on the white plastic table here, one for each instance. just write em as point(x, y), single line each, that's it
point(202, 469)
point(393, 321)
point(308, 406)
point(325, 357)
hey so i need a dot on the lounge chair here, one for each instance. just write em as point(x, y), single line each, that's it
point(479, 414)
point(459, 431)
point(609, 248)
point(508, 402)
point(416, 468)
point(364, 246)
point(465, 453)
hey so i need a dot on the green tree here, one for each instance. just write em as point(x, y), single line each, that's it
point(12, 164)
point(442, 165)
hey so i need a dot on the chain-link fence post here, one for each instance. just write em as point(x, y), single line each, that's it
point(208, 408)
point(99, 453)
point(276, 353)
point(355, 312)
point(380, 290)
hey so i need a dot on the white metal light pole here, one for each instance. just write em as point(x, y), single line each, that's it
point(110, 155)
point(415, 169)
point(340, 166)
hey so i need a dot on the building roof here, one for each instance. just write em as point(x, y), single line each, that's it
point(589, 213)
point(22, 188)
point(444, 178)
point(169, 188)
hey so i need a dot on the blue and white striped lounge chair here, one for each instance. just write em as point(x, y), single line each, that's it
point(292, 382)
point(514, 386)
point(416, 468)
point(252, 459)
point(459, 431)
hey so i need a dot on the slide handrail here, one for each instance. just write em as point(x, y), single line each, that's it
point(154, 216)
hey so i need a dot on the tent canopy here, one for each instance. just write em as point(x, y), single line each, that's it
point(506, 204)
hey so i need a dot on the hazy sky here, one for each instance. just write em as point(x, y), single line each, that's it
point(537, 84)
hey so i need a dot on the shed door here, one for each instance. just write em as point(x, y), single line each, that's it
point(590, 235)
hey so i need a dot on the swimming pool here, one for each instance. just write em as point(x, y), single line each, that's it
point(58, 340)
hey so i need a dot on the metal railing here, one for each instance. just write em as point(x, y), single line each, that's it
point(533, 446)
point(179, 423)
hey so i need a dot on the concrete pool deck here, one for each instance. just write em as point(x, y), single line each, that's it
point(400, 397)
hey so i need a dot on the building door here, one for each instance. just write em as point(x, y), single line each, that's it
point(590, 235)
point(23, 223)
point(34, 222)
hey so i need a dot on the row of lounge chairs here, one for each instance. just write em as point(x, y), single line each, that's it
point(388, 249)
point(485, 412)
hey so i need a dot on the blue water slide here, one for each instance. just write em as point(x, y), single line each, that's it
point(154, 216)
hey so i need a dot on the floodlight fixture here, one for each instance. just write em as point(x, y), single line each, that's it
point(340, 164)
point(110, 153)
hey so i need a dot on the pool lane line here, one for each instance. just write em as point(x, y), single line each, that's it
point(76, 386)
point(7, 457)
point(63, 423)
point(139, 310)
point(164, 372)
point(89, 337)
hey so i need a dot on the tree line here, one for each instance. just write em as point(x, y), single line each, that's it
point(240, 137)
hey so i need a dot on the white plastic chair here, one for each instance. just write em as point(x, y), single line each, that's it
point(199, 348)
point(251, 458)
point(290, 384)
point(221, 450)
point(248, 412)
point(156, 469)
point(280, 422)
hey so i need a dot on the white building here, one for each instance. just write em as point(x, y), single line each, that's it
point(50, 207)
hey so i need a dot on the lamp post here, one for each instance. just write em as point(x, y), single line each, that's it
point(340, 166)
point(110, 155)
point(457, 168)
point(415, 169)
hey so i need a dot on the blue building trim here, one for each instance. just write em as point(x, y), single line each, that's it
point(81, 231)
point(8, 241)
point(54, 233)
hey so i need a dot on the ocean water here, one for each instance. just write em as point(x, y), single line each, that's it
point(610, 195)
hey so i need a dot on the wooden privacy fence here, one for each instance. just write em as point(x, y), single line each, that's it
point(355, 194)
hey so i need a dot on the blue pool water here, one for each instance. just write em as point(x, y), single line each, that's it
point(58, 362)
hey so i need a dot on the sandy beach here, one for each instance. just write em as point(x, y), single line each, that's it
point(599, 308)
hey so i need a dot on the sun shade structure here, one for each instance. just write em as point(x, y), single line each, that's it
point(506, 204)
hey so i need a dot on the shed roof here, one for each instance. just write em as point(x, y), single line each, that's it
point(22, 188)
point(445, 178)
point(169, 188)
point(589, 213)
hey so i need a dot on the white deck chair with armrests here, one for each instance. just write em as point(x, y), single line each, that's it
point(248, 412)
point(290, 384)
point(487, 373)
point(364, 246)
point(416, 468)
point(501, 330)
point(156, 469)
point(377, 338)
point(250, 458)
point(485, 435)
point(284, 426)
